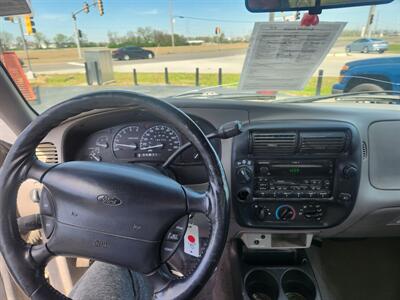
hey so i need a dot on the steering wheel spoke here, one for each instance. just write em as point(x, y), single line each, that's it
point(197, 202)
point(37, 170)
point(159, 279)
point(39, 255)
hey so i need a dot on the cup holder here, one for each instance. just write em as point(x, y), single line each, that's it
point(260, 285)
point(297, 285)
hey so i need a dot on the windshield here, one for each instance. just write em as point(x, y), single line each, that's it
point(202, 49)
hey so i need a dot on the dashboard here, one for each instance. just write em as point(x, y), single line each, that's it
point(345, 185)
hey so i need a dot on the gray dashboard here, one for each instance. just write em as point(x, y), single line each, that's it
point(377, 208)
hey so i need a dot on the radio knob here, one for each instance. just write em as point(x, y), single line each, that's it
point(261, 214)
point(285, 212)
point(264, 170)
point(244, 194)
point(244, 175)
point(349, 171)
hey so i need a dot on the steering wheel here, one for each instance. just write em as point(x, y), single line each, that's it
point(108, 212)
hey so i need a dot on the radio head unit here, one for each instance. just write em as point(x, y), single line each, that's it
point(294, 177)
point(305, 179)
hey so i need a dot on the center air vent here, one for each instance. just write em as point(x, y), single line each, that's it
point(47, 152)
point(323, 142)
point(274, 142)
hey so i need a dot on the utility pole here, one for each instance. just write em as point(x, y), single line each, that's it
point(376, 25)
point(77, 41)
point(85, 9)
point(30, 73)
point(171, 21)
point(370, 21)
point(272, 17)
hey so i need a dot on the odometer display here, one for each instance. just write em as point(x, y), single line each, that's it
point(159, 141)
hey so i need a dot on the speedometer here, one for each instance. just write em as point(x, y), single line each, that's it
point(126, 142)
point(159, 140)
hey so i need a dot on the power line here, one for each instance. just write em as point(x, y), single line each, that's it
point(214, 20)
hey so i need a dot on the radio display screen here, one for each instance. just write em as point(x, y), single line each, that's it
point(290, 169)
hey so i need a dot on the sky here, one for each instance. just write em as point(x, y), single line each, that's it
point(54, 16)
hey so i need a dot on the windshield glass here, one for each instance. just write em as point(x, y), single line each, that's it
point(201, 49)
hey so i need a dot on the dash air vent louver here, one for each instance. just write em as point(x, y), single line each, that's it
point(47, 152)
point(274, 142)
point(322, 142)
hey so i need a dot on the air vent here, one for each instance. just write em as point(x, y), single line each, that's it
point(323, 142)
point(274, 142)
point(47, 152)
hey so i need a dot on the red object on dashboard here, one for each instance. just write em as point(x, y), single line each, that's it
point(309, 19)
point(13, 65)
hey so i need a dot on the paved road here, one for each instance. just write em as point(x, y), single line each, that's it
point(231, 61)
point(74, 66)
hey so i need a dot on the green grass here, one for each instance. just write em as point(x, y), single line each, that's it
point(310, 88)
point(394, 48)
point(183, 79)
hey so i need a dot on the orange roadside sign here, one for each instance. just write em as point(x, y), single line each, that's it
point(13, 65)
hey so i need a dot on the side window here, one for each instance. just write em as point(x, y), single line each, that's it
point(6, 138)
point(4, 148)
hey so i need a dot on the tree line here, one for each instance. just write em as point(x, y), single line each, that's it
point(40, 41)
point(143, 37)
point(149, 37)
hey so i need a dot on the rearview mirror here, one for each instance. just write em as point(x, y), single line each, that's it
point(314, 6)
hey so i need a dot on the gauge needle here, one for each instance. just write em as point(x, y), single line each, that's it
point(105, 145)
point(126, 146)
point(95, 157)
point(153, 147)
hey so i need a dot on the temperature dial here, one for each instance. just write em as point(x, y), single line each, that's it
point(244, 174)
point(285, 213)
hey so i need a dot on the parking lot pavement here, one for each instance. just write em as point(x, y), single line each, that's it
point(211, 63)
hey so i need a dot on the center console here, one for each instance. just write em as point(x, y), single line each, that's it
point(295, 174)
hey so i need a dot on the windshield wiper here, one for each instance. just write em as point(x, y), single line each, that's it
point(387, 97)
point(223, 94)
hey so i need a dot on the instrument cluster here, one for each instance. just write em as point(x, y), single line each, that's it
point(136, 142)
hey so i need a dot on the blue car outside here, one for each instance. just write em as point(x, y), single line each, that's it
point(375, 74)
point(368, 45)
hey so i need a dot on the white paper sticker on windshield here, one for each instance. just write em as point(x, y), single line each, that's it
point(284, 55)
point(191, 241)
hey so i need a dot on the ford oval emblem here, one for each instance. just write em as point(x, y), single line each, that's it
point(109, 200)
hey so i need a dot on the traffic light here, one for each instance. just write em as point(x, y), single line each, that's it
point(100, 7)
point(29, 25)
point(217, 30)
point(80, 35)
point(86, 7)
point(297, 16)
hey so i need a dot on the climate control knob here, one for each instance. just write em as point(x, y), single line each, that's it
point(244, 174)
point(285, 213)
